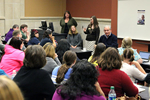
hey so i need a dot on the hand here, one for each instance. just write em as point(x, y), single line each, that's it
point(52, 38)
point(73, 46)
point(84, 29)
point(95, 46)
point(56, 55)
point(27, 33)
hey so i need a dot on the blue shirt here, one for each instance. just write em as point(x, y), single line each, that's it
point(33, 41)
point(111, 41)
point(54, 74)
point(2, 72)
point(44, 41)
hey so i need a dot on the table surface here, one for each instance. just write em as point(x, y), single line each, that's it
point(79, 50)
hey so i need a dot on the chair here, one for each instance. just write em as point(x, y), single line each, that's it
point(44, 25)
point(51, 26)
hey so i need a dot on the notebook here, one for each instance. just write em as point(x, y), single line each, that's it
point(144, 56)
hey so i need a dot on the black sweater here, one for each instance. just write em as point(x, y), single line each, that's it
point(35, 84)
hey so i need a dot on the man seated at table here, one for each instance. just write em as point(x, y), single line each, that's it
point(109, 39)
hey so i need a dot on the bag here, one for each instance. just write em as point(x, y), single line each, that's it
point(128, 98)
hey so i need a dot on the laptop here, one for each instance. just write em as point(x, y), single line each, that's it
point(145, 56)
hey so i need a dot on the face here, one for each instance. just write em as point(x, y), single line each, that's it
point(20, 35)
point(66, 15)
point(91, 20)
point(25, 29)
point(37, 35)
point(142, 16)
point(17, 28)
point(107, 31)
point(50, 35)
point(73, 29)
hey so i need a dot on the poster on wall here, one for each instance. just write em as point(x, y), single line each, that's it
point(141, 17)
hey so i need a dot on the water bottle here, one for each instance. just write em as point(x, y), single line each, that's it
point(13, 74)
point(112, 94)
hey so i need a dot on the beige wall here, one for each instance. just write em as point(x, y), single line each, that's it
point(44, 8)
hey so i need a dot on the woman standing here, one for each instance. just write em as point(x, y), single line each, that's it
point(67, 22)
point(74, 38)
point(93, 32)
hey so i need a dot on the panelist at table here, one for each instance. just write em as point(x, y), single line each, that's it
point(109, 39)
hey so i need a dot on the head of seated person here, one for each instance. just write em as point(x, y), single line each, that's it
point(128, 55)
point(35, 57)
point(16, 42)
point(50, 50)
point(62, 46)
point(69, 59)
point(126, 42)
point(17, 33)
point(34, 33)
point(81, 82)
point(47, 34)
point(72, 30)
point(9, 90)
point(100, 48)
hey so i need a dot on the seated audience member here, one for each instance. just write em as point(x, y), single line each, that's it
point(132, 71)
point(61, 73)
point(9, 90)
point(34, 38)
point(109, 39)
point(61, 48)
point(74, 38)
point(127, 43)
point(47, 37)
point(111, 75)
point(98, 50)
point(34, 82)
point(25, 33)
point(13, 57)
point(82, 84)
point(52, 60)
point(9, 34)
point(17, 33)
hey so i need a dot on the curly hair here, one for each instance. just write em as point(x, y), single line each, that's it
point(126, 42)
point(47, 33)
point(81, 80)
point(62, 47)
point(110, 59)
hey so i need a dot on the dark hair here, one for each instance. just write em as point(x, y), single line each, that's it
point(35, 57)
point(68, 13)
point(46, 34)
point(16, 32)
point(33, 32)
point(15, 26)
point(98, 50)
point(69, 58)
point(95, 22)
point(128, 54)
point(16, 42)
point(23, 26)
point(62, 47)
point(110, 59)
point(82, 80)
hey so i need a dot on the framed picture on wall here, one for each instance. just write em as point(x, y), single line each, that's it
point(141, 17)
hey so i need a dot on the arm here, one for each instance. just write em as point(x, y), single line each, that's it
point(74, 22)
point(97, 33)
point(28, 36)
point(137, 57)
point(113, 42)
point(79, 39)
point(53, 41)
point(138, 66)
point(98, 88)
point(128, 87)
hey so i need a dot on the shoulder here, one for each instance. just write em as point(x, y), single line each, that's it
point(113, 35)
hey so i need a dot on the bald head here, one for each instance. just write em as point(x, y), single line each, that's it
point(107, 30)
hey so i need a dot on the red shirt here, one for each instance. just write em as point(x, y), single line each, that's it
point(119, 80)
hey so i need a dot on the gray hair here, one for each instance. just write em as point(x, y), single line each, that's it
point(15, 26)
point(108, 26)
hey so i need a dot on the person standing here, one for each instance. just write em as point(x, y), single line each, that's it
point(109, 39)
point(66, 22)
point(93, 32)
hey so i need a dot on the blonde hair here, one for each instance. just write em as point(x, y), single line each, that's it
point(9, 90)
point(50, 50)
point(126, 42)
point(70, 32)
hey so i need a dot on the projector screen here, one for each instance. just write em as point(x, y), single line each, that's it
point(134, 19)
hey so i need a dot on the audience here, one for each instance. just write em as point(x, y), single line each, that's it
point(127, 43)
point(93, 32)
point(109, 39)
point(111, 75)
point(100, 48)
point(9, 34)
point(34, 37)
point(47, 37)
point(9, 90)
point(74, 38)
point(61, 73)
point(134, 72)
point(25, 33)
point(66, 22)
point(13, 57)
point(82, 84)
point(52, 60)
point(61, 48)
point(34, 82)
